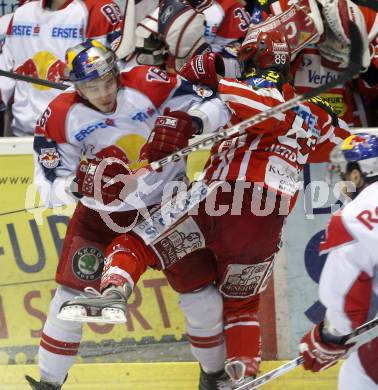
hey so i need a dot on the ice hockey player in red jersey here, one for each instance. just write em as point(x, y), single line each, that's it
point(320, 51)
point(349, 278)
point(107, 117)
point(251, 182)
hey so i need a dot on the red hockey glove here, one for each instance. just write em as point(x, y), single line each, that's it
point(110, 179)
point(171, 133)
point(319, 355)
point(204, 69)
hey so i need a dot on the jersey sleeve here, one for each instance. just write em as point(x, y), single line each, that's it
point(105, 22)
point(198, 101)
point(177, 94)
point(345, 286)
point(333, 131)
point(55, 158)
point(248, 102)
point(235, 23)
point(152, 81)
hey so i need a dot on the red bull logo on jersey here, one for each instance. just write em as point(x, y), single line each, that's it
point(43, 65)
point(49, 158)
point(83, 133)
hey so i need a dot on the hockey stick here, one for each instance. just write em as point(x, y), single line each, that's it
point(135, 11)
point(34, 80)
point(127, 45)
point(353, 68)
point(361, 335)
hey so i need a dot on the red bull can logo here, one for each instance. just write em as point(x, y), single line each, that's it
point(43, 65)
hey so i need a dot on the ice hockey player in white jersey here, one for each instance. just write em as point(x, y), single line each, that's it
point(38, 36)
point(350, 275)
point(107, 115)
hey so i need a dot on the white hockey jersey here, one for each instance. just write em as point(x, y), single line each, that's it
point(350, 275)
point(36, 43)
point(70, 129)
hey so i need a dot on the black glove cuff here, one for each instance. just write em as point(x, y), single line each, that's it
point(197, 124)
point(328, 337)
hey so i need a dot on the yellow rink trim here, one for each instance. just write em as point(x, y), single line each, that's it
point(158, 376)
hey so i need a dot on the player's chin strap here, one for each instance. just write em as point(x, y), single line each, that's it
point(361, 335)
point(353, 69)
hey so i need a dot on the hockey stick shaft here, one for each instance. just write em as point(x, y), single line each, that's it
point(34, 80)
point(352, 69)
point(361, 335)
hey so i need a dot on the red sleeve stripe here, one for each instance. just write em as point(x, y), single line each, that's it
point(337, 235)
point(206, 342)
point(357, 300)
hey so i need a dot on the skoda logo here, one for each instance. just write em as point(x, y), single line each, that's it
point(87, 263)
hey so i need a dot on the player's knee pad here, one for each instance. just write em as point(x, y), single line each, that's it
point(203, 310)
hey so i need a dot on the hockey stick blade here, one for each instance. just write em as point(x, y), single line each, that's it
point(361, 335)
point(34, 80)
point(353, 68)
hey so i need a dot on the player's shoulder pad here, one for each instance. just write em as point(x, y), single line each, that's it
point(152, 81)
point(52, 123)
point(325, 106)
point(337, 234)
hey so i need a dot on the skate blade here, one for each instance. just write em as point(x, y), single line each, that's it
point(78, 313)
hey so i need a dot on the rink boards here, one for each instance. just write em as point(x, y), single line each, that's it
point(159, 376)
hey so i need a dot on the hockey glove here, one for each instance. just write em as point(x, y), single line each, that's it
point(171, 133)
point(318, 354)
point(204, 69)
point(101, 179)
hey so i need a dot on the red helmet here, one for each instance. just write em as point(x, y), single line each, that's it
point(265, 49)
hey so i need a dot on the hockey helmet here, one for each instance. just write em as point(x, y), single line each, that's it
point(89, 60)
point(361, 148)
point(265, 50)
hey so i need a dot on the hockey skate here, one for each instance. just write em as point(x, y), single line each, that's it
point(215, 381)
point(236, 369)
point(108, 308)
point(42, 385)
